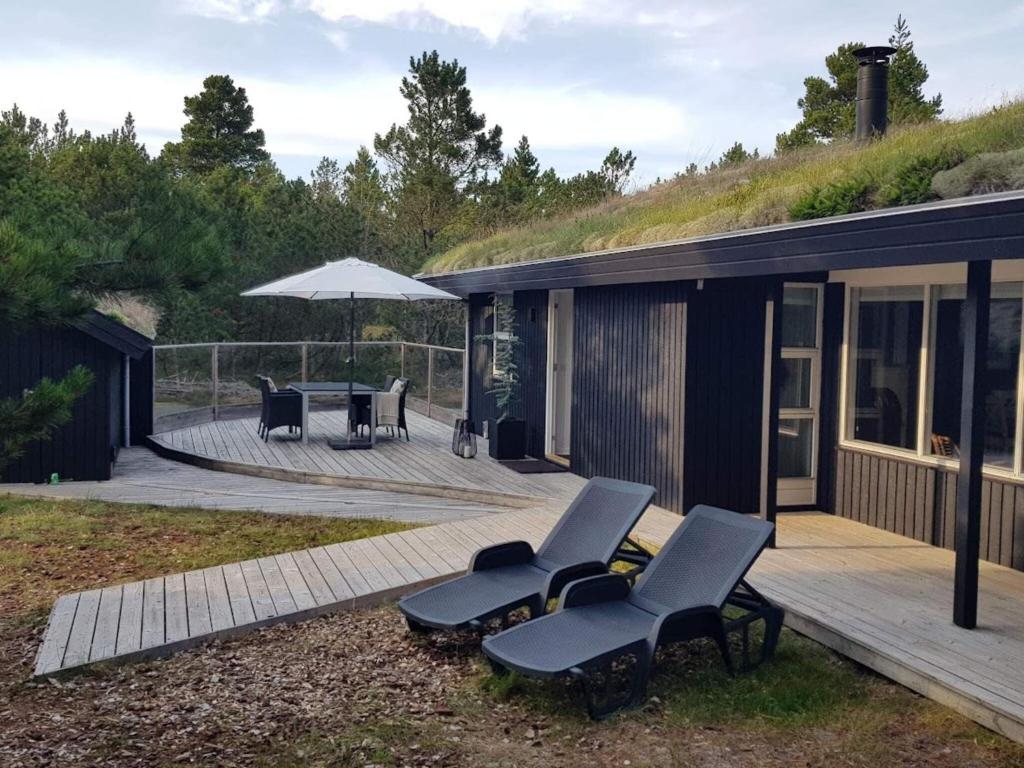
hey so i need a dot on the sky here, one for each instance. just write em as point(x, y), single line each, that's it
point(676, 82)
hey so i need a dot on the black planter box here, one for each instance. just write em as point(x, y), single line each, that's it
point(506, 439)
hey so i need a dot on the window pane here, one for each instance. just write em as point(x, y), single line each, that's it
point(799, 317)
point(795, 443)
point(886, 361)
point(795, 387)
point(1000, 381)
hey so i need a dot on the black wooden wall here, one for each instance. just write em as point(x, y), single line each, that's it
point(628, 363)
point(831, 352)
point(532, 328)
point(79, 450)
point(141, 403)
point(724, 386)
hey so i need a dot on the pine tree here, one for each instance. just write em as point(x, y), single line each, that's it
point(443, 146)
point(218, 132)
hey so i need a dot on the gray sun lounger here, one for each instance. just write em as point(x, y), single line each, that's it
point(680, 596)
point(505, 577)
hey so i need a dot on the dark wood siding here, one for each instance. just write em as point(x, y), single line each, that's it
point(532, 328)
point(79, 450)
point(141, 401)
point(724, 394)
point(628, 363)
point(919, 501)
point(831, 352)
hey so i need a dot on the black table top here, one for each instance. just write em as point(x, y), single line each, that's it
point(332, 386)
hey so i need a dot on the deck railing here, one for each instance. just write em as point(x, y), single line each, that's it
point(221, 377)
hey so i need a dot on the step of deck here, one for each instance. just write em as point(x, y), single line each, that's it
point(158, 617)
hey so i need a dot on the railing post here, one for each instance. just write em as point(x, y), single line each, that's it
point(402, 345)
point(305, 361)
point(430, 378)
point(215, 372)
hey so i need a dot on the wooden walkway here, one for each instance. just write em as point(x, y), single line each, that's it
point(879, 598)
point(424, 465)
point(142, 477)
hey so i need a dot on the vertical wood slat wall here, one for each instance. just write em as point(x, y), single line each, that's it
point(78, 450)
point(532, 327)
point(628, 385)
point(919, 501)
point(724, 390)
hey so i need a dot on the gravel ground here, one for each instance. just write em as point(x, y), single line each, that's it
point(356, 690)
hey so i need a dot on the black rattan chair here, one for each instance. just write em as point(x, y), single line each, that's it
point(281, 408)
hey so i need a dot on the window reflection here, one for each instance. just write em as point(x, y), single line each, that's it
point(886, 365)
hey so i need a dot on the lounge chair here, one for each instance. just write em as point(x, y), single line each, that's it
point(680, 596)
point(505, 577)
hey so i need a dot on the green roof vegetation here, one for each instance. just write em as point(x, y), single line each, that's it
point(911, 164)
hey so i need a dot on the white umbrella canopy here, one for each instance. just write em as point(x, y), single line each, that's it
point(350, 279)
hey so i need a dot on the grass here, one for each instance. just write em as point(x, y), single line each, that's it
point(751, 194)
point(48, 547)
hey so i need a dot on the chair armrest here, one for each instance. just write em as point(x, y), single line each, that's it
point(605, 588)
point(285, 394)
point(498, 555)
point(559, 577)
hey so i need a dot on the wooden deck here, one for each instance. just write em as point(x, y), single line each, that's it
point(424, 465)
point(142, 477)
point(879, 598)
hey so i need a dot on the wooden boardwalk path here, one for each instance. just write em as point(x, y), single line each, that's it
point(879, 598)
point(425, 465)
point(142, 477)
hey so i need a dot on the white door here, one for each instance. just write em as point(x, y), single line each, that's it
point(559, 379)
point(799, 394)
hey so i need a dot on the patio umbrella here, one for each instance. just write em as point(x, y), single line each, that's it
point(350, 279)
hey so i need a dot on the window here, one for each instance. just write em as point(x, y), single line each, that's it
point(1000, 383)
point(905, 370)
point(503, 321)
point(798, 374)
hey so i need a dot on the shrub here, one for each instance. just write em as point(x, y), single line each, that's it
point(844, 196)
point(987, 172)
point(912, 181)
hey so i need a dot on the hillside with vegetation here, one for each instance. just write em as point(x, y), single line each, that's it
point(913, 163)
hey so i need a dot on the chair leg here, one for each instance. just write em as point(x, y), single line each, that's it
point(719, 636)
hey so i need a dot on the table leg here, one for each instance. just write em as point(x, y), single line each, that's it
point(305, 418)
point(373, 419)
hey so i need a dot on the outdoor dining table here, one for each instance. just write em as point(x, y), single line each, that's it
point(335, 388)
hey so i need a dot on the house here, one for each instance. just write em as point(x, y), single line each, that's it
point(813, 365)
point(117, 410)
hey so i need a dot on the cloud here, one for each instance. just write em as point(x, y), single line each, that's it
point(579, 117)
point(492, 20)
point(241, 11)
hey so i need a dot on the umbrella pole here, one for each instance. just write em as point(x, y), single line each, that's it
point(351, 356)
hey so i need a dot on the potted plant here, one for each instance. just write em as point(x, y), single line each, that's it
point(506, 437)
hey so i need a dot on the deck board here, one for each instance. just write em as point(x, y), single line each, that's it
point(424, 463)
point(880, 598)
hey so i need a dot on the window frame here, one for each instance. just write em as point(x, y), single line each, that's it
point(930, 278)
point(812, 412)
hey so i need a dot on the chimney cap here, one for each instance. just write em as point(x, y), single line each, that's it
point(874, 54)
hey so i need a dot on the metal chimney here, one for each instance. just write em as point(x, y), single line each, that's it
point(872, 91)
